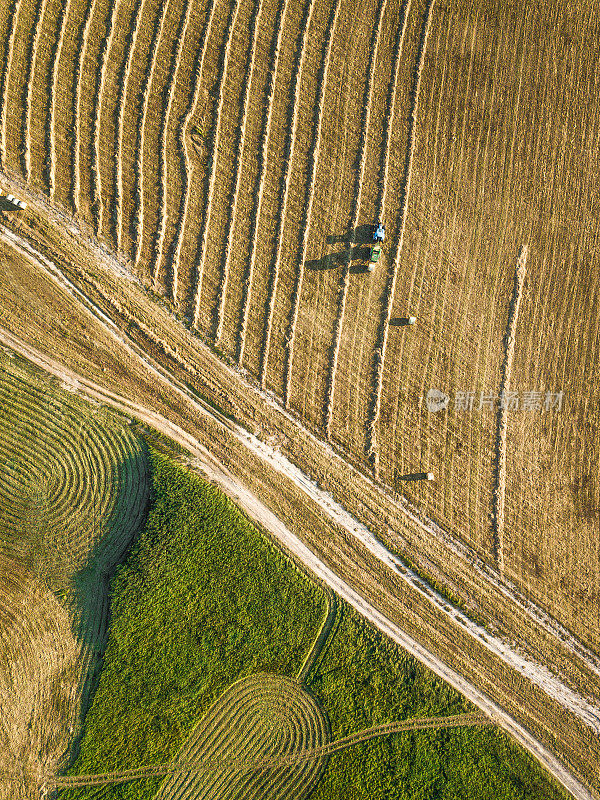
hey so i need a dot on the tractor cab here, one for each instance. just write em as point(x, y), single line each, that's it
point(379, 233)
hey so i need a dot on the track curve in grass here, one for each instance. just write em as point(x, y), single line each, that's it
point(265, 736)
point(73, 492)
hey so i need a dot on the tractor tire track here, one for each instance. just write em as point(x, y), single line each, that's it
point(339, 322)
point(380, 351)
point(313, 165)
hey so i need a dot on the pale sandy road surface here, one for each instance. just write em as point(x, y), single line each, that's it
point(536, 673)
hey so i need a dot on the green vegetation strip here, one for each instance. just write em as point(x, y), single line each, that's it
point(364, 680)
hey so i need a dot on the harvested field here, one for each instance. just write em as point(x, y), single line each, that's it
point(40, 681)
point(249, 151)
point(73, 492)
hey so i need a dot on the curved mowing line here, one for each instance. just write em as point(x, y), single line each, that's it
point(321, 639)
point(97, 178)
point(290, 147)
point(188, 172)
point(163, 164)
point(372, 449)
point(175, 767)
point(78, 85)
point(314, 158)
point(139, 162)
point(339, 323)
point(38, 25)
point(212, 171)
point(121, 105)
point(4, 80)
point(53, 95)
point(238, 174)
point(502, 426)
point(266, 135)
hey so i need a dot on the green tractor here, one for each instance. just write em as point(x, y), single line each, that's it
point(375, 255)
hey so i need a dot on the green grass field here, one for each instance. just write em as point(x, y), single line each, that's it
point(362, 680)
point(203, 600)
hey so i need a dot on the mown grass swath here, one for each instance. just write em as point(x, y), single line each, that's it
point(73, 493)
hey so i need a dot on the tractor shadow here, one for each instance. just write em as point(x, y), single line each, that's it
point(360, 235)
point(341, 258)
point(356, 253)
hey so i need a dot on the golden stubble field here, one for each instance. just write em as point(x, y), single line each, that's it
point(234, 154)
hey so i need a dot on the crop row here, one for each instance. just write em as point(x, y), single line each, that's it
point(380, 351)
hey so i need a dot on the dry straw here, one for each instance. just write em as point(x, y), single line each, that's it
point(339, 322)
point(313, 159)
point(255, 26)
point(96, 154)
point(163, 162)
point(4, 80)
point(212, 167)
point(380, 350)
point(139, 160)
point(263, 170)
point(123, 81)
point(79, 83)
point(289, 158)
point(31, 62)
point(183, 136)
point(509, 352)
